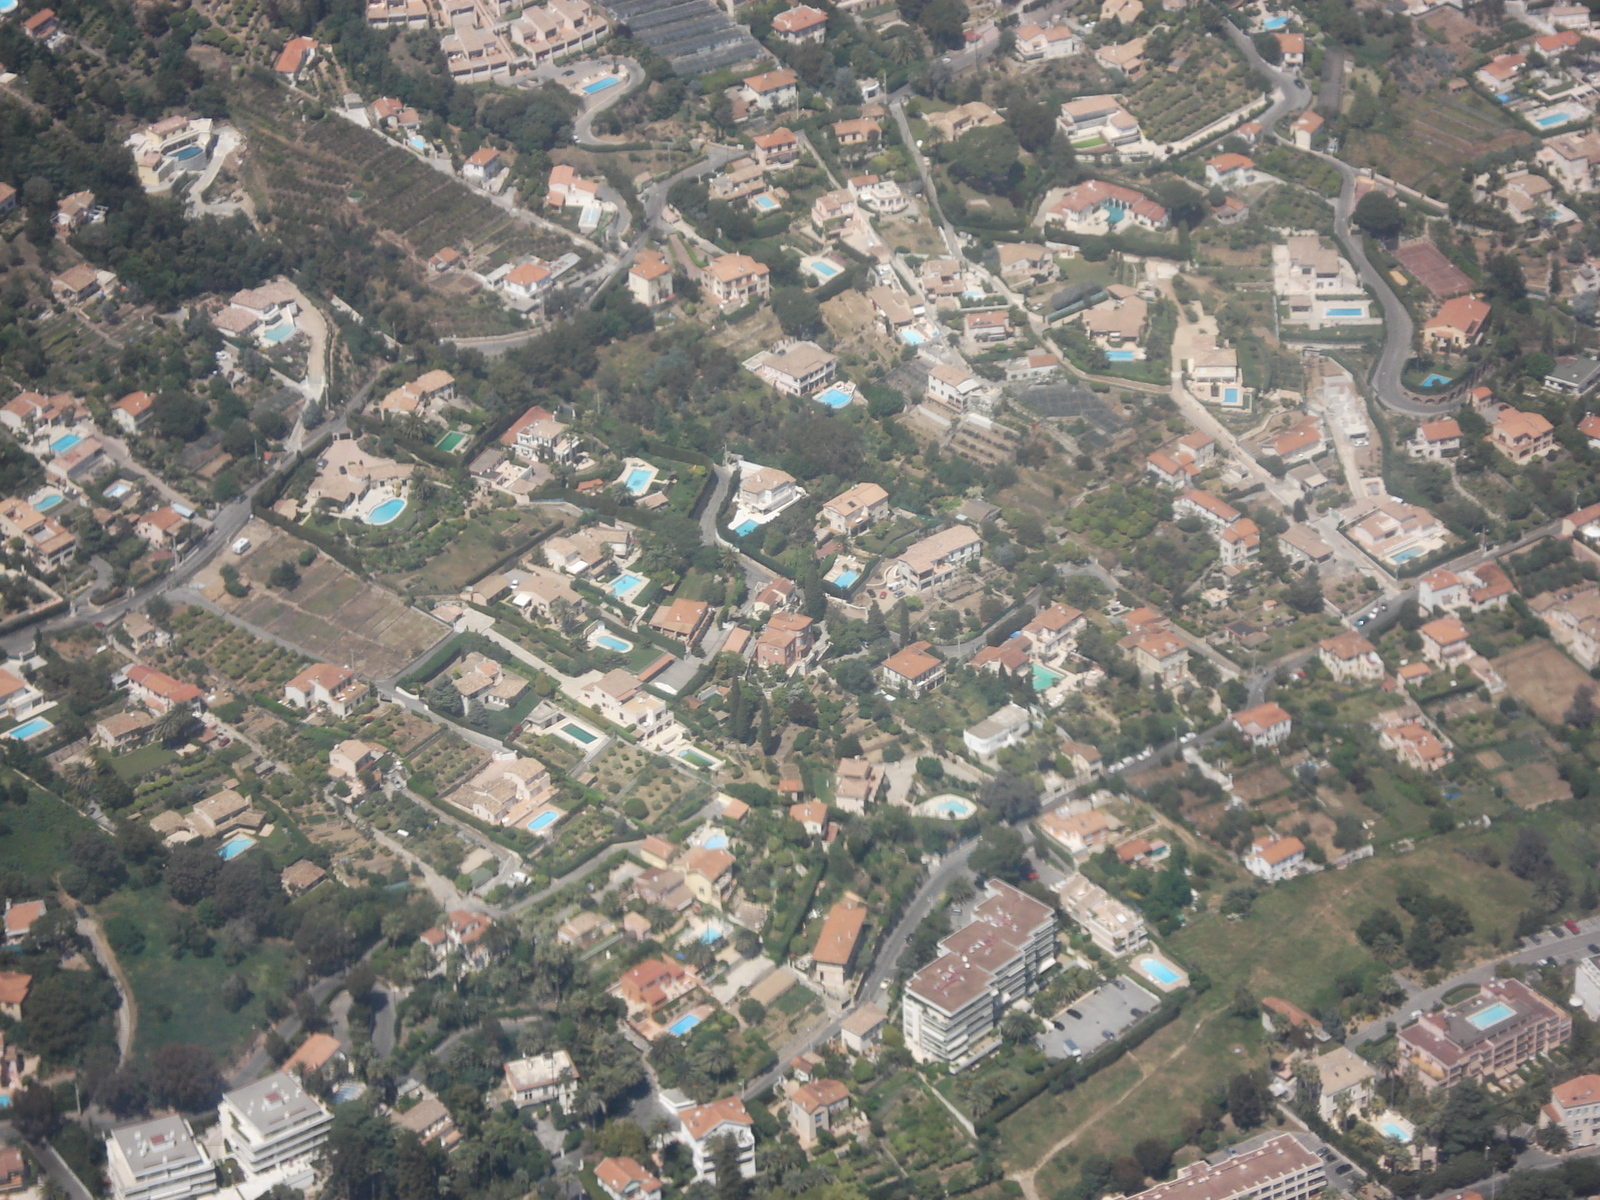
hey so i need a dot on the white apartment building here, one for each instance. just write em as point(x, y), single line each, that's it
point(158, 1160)
point(1276, 1167)
point(952, 1005)
point(272, 1122)
point(701, 1127)
point(1349, 656)
point(1110, 924)
point(1586, 986)
point(934, 559)
point(542, 1079)
point(1275, 858)
point(1575, 1107)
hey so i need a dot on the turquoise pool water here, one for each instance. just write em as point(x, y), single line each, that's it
point(717, 841)
point(1394, 1131)
point(1407, 555)
point(6, 7)
point(600, 85)
point(1347, 312)
point(386, 512)
point(1493, 1015)
point(580, 733)
point(64, 443)
point(1044, 678)
point(765, 203)
point(746, 527)
point(1158, 970)
point(834, 398)
point(29, 730)
point(957, 808)
point(416, 143)
point(1230, 395)
point(824, 268)
point(1436, 380)
point(1272, 23)
point(1552, 119)
point(543, 821)
point(683, 1024)
point(46, 503)
point(846, 578)
point(450, 441)
point(606, 641)
point(187, 153)
point(1120, 355)
point(911, 337)
point(235, 846)
point(625, 582)
point(280, 333)
point(710, 935)
point(639, 479)
point(118, 490)
point(5, 1101)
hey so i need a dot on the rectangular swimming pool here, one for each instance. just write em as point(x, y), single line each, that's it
point(1230, 396)
point(599, 85)
point(1044, 678)
point(746, 527)
point(543, 821)
point(683, 1025)
point(639, 480)
point(834, 398)
point(765, 202)
point(845, 579)
point(607, 642)
point(911, 337)
point(1493, 1015)
point(625, 582)
point(1120, 355)
point(579, 733)
point(235, 846)
point(1158, 970)
point(64, 443)
point(450, 441)
point(1552, 119)
point(1346, 312)
point(1272, 23)
point(29, 729)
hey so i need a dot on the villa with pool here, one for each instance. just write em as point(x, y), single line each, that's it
point(359, 486)
point(512, 791)
point(1392, 531)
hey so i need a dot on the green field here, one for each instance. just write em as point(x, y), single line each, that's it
point(180, 1000)
point(35, 835)
point(1439, 137)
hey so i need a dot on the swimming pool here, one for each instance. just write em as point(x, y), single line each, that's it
point(833, 398)
point(1436, 380)
point(824, 268)
point(625, 582)
point(5, 1100)
point(1493, 1015)
point(386, 512)
point(450, 441)
point(279, 333)
point(235, 846)
point(599, 85)
point(638, 481)
point(1120, 355)
point(911, 337)
point(64, 443)
point(118, 490)
point(46, 503)
point(1345, 312)
point(717, 841)
point(711, 935)
point(1158, 970)
point(578, 733)
point(1552, 119)
point(1044, 678)
point(846, 578)
point(1407, 555)
point(683, 1025)
point(746, 527)
point(1230, 396)
point(1394, 1131)
point(695, 759)
point(954, 808)
point(187, 153)
point(765, 202)
point(1272, 23)
point(416, 143)
point(606, 642)
point(29, 730)
point(543, 821)
point(6, 8)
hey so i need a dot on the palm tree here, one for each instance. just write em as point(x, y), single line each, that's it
point(170, 725)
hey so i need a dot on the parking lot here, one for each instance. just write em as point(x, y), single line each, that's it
point(1106, 1012)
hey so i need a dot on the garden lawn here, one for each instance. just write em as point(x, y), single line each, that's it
point(138, 763)
point(486, 539)
point(180, 1001)
point(36, 834)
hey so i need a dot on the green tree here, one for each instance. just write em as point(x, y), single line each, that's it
point(1267, 46)
point(797, 311)
point(1033, 123)
point(1379, 214)
point(986, 158)
point(1000, 854)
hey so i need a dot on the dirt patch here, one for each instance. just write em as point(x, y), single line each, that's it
point(1490, 760)
point(332, 615)
point(1533, 784)
point(1260, 783)
point(1543, 678)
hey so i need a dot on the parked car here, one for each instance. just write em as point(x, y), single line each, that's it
point(1572, 926)
point(1072, 1048)
point(1593, 949)
point(1058, 1024)
point(1138, 1012)
point(1074, 1014)
point(1342, 1169)
point(1107, 1034)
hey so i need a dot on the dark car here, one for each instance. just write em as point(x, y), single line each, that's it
point(1074, 1014)
point(1138, 1012)
point(1342, 1169)
point(1107, 1034)
point(1593, 949)
point(1058, 1024)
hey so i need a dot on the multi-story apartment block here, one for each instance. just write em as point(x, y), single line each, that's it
point(1485, 1037)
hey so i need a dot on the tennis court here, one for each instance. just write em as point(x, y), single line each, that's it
point(1428, 266)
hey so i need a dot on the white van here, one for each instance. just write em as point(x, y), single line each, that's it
point(240, 545)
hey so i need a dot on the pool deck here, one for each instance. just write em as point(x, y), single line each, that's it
point(1136, 963)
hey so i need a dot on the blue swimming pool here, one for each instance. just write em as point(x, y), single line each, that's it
point(1272, 23)
point(5, 1100)
point(911, 337)
point(765, 202)
point(1493, 1015)
point(1120, 355)
point(683, 1024)
point(1394, 1131)
point(386, 512)
point(833, 398)
point(607, 642)
point(599, 85)
point(187, 153)
point(29, 730)
point(1230, 396)
point(956, 808)
point(543, 821)
point(1158, 970)
point(824, 268)
point(1346, 312)
point(625, 582)
point(64, 443)
point(279, 333)
point(1044, 678)
point(118, 490)
point(416, 143)
point(746, 527)
point(1552, 119)
point(46, 503)
point(846, 578)
point(711, 935)
point(7, 7)
point(235, 846)
point(1407, 555)
point(1435, 380)
point(638, 481)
